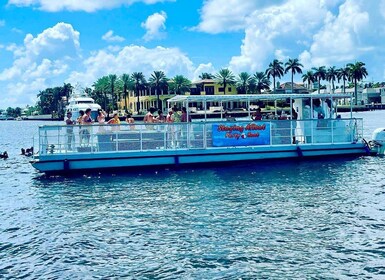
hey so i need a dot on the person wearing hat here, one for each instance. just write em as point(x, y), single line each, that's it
point(70, 131)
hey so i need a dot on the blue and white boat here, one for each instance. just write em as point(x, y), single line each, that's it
point(206, 141)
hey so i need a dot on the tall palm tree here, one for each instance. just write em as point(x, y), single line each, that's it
point(331, 76)
point(308, 78)
point(112, 79)
point(243, 82)
point(205, 76)
point(357, 73)
point(275, 70)
point(100, 92)
point(343, 73)
point(319, 74)
point(158, 79)
point(294, 67)
point(261, 81)
point(179, 84)
point(225, 77)
point(139, 82)
point(127, 84)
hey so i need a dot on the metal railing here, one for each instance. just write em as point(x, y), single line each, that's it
point(62, 139)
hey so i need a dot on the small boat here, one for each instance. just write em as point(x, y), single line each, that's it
point(81, 101)
point(309, 126)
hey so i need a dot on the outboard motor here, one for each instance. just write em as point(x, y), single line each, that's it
point(377, 144)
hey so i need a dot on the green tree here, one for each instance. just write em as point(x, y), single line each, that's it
point(293, 66)
point(343, 74)
point(128, 84)
point(179, 84)
point(100, 96)
point(225, 77)
point(275, 70)
point(139, 82)
point(332, 75)
point(158, 79)
point(319, 74)
point(308, 78)
point(243, 82)
point(357, 71)
point(111, 82)
point(261, 81)
point(206, 76)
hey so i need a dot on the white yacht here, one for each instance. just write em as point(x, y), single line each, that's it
point(81, 101)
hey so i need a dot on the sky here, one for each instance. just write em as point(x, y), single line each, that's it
point(45, 43)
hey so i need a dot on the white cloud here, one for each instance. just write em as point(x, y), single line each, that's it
point(203, 68)
point(155, 25)
point(224, 15)
point(2, 23)
point(85, 5)
point(133, 59)
point(110, 37)
point(39, 63)
point(274, 28)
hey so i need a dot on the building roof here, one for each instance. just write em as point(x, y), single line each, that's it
point(253, 97)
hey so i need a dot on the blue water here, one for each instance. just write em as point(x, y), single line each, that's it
point(273, 220)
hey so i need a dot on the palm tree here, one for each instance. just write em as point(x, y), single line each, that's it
point(309, 78)
point(243, 82)
point(158, 79)
point(225, 77)
point(261, 81)
point(139, 82)
point(319, 74)
point(343, 73)
point(357, 72)
point(294, 67)
point(205, 76)
point(331, 76)
point(127, 84)
point(179, 84)
point(112, 79)
point(275, 70)
point(100, 91)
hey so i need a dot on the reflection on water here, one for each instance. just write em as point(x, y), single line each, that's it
point(274, 219)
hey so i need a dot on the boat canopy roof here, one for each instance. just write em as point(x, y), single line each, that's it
point(253, 97)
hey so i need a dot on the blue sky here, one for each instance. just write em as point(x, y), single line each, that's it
point(44, 43)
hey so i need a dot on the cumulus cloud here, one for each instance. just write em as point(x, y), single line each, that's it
point(40, 62)
point(85, 5)
point(203, 68)
point(349, 35)
point(133, 59)
point(155, 26)
point(277, 27)
point(110, 37)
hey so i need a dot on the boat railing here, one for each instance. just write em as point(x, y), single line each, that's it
point(138, 137)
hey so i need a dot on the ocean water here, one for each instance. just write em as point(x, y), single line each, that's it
point(297, 219)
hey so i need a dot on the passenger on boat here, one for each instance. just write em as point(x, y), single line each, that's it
point(176, 116)
point(306, 115)
point(149, 117)
point(257, 115)
point(85, 131)
point(294, 117)
point(130, 120)
point(70, 131)
point(101, 118)
point(169, 118)
point(184, 117)
point(160, 118)
point(115, 119)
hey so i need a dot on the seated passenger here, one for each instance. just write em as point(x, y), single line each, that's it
point(257, 115)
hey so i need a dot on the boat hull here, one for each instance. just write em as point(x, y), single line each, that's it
point(137, 160)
